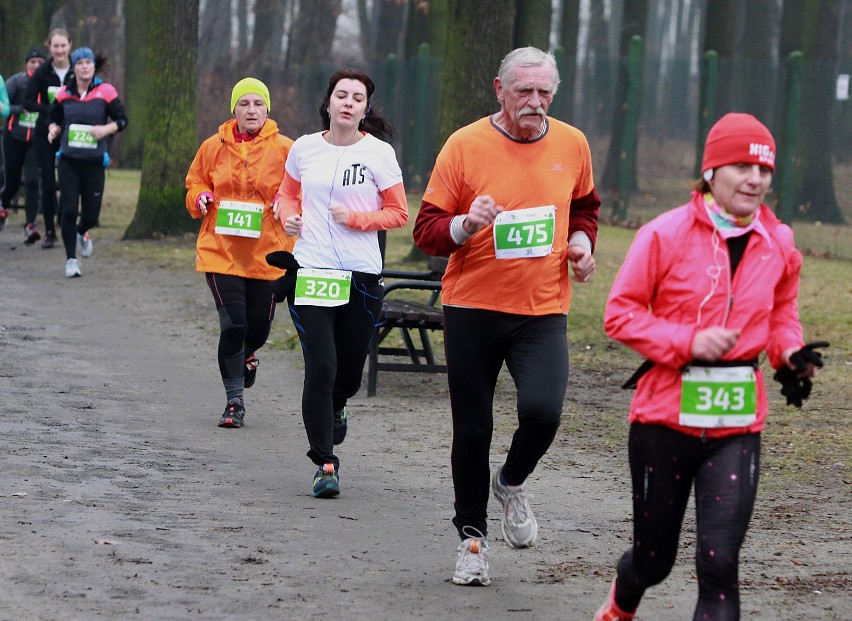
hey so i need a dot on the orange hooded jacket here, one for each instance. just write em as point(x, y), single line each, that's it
point(245, 171)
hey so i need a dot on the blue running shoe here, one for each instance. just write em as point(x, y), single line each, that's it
point(326, 482)
point(341, 424)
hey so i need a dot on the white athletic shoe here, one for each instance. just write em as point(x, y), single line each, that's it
point(72, 268)
point(84, 245)
point(472, 563)
point(520, 529)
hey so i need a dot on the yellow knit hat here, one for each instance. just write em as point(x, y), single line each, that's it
point(249, 86)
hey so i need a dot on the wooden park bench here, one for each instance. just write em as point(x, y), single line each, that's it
point(413, 318)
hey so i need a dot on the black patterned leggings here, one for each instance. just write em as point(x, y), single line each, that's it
point(664, 464)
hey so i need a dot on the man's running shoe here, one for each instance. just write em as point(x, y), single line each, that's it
point(4, 213)
point(233, 415)
point(84, 245)
point(326, 482)
point(31, 234)
point(609, 610)
point(472, 563)
point(49, 240)
point(251, 371)
point(72, 268)
point(520, 529)
point(341, 424)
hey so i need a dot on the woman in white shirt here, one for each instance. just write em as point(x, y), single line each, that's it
point(341, 186)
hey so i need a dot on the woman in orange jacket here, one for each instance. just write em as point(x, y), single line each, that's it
point(231, 185)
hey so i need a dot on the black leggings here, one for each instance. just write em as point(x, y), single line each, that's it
point(335, 341)
point(246, 310)
point(664, 463)
point(17, 155)
point(46, 154)
point(81, 190)
point(535, 350)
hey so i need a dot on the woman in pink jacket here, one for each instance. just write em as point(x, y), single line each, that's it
point(704, 290)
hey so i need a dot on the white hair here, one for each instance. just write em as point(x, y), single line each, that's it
point(527, 57)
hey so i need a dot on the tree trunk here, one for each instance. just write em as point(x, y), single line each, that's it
point(135, 98)
point(388, 16)
point(635, 19)
point(812, 27)
point(313, 33)
point(758, 96)
point(214, 66)
point(171, 139)
point(601, 104)
point(479, 35)
point(532, 23)
point(720, 35)
point(20, 27)
point(214, 45)
point(569, 30)
point(427, 23)
point(309, 47)
point(266, 44)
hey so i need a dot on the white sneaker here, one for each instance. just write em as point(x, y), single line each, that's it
point(520, 529)
point(472, 563)
point(84, 245)
point(72, 268)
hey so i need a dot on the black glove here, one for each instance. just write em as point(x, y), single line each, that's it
point(797, 388)
point(284, 286)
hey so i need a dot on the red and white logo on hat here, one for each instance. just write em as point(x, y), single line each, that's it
point(764, 153)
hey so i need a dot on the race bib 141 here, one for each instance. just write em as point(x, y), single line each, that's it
point(239, 218)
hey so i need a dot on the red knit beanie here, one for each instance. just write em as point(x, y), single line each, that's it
point(738, 138)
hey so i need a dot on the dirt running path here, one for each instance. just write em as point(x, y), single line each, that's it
point(121, 497)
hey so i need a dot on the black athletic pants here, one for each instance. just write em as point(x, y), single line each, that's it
point(46, 155)
point(535, 350)
point(81, 191)
point(246, 310)
point(664, 464)
point(17, 155)
point(335, 341)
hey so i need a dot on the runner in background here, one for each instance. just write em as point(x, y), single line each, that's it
point(85, 112)
point(350, 186)
point(4, 113)
point(17, 142)
point(231, 185)
point(513, 202)
point(703, 291)
point(41, 91)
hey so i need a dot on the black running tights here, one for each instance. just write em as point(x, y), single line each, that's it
point(664, 463)
point(335, 341)
point(81, 191)
point(246, 310)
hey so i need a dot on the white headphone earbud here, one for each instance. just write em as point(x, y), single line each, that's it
point(708, 175)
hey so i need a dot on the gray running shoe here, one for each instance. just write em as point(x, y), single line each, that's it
point(472, 563)
point(519, 527)
point(84, 245)
point(72, 268)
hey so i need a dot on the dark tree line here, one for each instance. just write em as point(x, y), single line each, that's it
point(165, 52)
